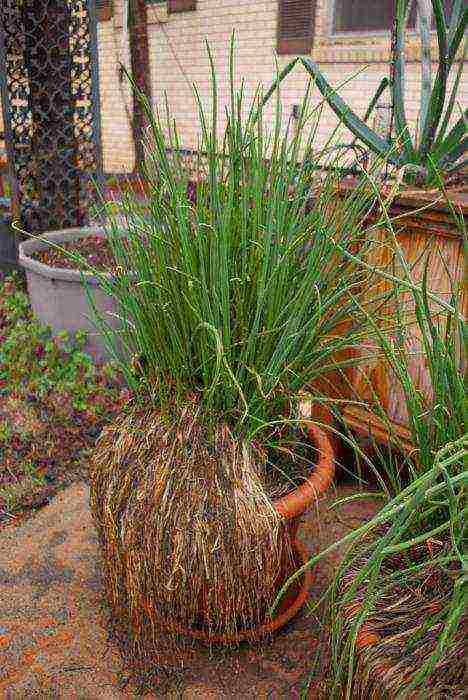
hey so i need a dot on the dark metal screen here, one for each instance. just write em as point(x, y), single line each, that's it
point(49, 80)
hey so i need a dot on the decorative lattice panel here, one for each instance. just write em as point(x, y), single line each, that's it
point(48, 64)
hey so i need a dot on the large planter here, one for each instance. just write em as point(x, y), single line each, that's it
point(291, 507)
point(425, 225)
point(58, 295)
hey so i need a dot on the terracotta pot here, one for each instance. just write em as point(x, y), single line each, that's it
point(294, 504)
point(290, 507)
point(292, 602)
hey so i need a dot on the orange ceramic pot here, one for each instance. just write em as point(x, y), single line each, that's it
point(291, 603)
point(294, 504)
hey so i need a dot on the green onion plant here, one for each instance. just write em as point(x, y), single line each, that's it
point(398, 601)
point(233, 285)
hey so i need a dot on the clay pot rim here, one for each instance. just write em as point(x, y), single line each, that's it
point(29, 247)
point(297, 501)
point(267, 628)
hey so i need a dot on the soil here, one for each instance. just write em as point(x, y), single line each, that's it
point(56, 642)
point(289, 463)
point(95, 249)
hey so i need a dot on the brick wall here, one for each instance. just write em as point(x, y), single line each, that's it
point(114, 95)
point(178, 58)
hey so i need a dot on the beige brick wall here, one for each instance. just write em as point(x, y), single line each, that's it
point(115, 99)
point(178, 58)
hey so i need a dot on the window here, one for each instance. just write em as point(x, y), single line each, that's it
point(104, 10)
point(296, 20)
point(181, 5)
point(372, 15)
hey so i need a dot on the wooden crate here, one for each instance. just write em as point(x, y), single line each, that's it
point(425, 224)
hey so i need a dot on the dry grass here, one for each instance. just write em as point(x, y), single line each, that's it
point(403, 628)
point(189, 537)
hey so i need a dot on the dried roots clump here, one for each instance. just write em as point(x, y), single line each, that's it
point(402, 631)
point(189, 538)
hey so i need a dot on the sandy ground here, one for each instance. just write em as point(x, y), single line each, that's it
point(54, 641)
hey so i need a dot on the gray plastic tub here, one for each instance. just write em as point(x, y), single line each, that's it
point(58, 296)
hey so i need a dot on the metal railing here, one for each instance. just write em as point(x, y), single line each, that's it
point(50, 98)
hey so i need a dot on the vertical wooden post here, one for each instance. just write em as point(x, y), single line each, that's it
point(140, 63)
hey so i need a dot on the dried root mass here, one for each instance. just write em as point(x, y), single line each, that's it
point(402, 632)
point(189, 538)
